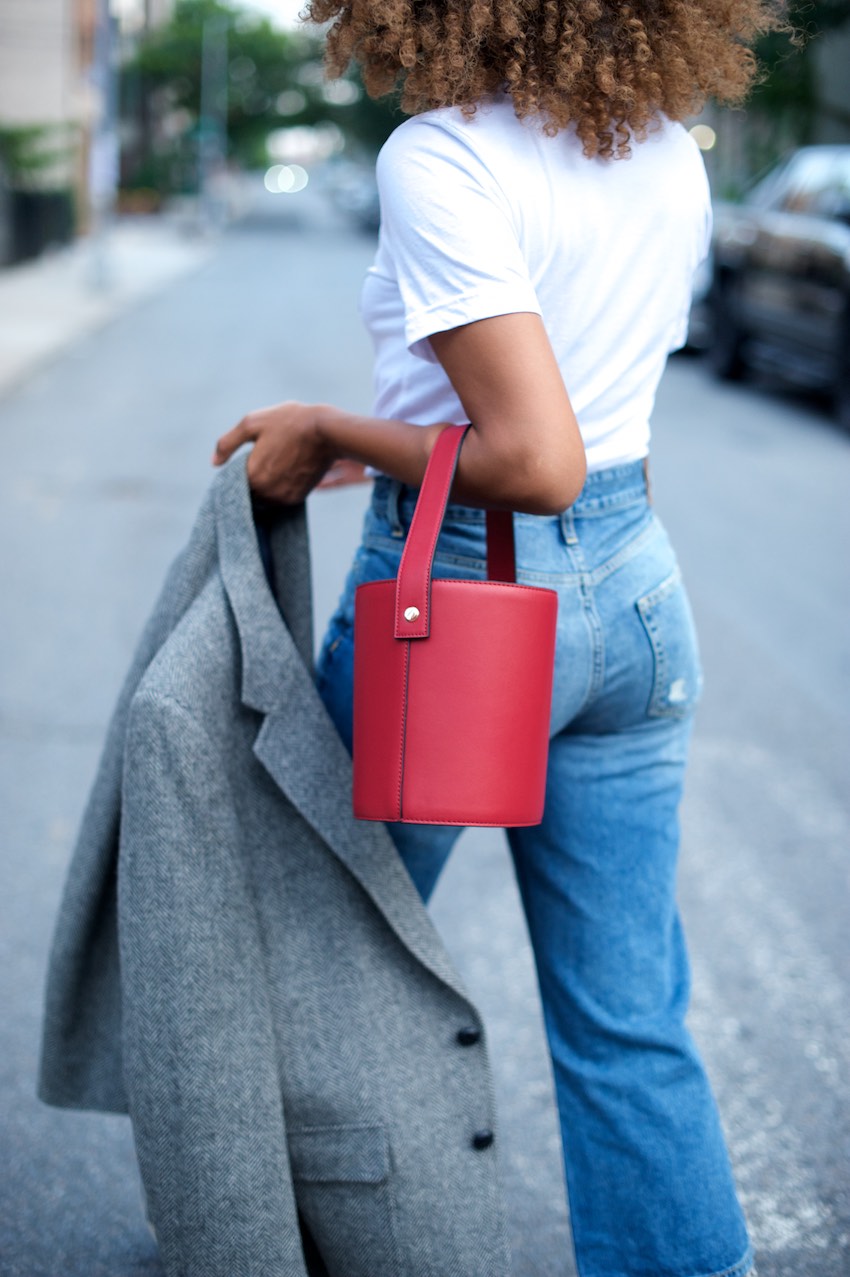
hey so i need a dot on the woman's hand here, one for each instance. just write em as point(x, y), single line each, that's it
point(290, 454)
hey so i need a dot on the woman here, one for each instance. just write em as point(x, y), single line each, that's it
point(543, 213)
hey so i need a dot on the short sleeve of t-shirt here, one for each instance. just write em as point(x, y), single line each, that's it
point(449, 232)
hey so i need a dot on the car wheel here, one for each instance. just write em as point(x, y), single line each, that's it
point(725, 354)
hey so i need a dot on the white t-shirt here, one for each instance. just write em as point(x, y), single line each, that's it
point(490, 216)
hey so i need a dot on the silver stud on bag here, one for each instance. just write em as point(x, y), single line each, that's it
point(411, 613)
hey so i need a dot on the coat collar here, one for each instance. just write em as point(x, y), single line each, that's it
point(297, 743)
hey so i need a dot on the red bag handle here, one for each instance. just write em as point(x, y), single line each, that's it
point(413, 583)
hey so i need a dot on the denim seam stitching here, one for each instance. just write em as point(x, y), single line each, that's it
point(740, 1269)
point(597, 636)
point(624, 554)
point(583, 579)
point(383, 544)
point(594, 507)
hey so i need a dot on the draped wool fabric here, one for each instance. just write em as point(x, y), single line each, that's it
point(247, 970)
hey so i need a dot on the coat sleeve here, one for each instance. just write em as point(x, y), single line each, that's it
point(80, 1064)
point(200, 1060)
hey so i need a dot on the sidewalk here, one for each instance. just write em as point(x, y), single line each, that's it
point(48, 304)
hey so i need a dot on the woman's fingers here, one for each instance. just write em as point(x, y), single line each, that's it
point(289, 457)
point(344, 472)
point(245, 432)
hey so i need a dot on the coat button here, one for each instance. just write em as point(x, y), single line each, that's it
point(482, 1139)
point(468, 1035)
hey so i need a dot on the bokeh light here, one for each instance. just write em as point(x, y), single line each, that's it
point(704, 136)
point(285, 179)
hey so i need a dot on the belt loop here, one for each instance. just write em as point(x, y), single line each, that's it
point(647, 479)
point(393, 519)
point(568, 527)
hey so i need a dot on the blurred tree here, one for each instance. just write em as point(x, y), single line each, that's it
point(365, 122)
point(161, 91)
point(786, 103)
point(274, 79)
point(36, 166)
point(37, 156)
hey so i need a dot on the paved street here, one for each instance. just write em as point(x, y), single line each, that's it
point(105, 458)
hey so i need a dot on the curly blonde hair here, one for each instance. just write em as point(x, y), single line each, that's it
point(605, 68)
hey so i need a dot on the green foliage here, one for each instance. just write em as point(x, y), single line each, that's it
point(365, 123)
point(37, 156)
point(787, 98)
point(167, 69)
point(274, 79)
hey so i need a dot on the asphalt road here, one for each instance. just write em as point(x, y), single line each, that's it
point(104, 462)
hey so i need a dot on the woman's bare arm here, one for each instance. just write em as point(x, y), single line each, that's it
point(524, 451)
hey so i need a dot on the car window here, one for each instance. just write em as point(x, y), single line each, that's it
point(772, 187)
point(834, 200)
point(814, 183)
point(809, 180)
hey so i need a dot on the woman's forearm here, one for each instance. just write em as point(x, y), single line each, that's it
point(496, 472)
point(396, 448)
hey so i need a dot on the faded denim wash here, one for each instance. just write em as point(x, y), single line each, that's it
point(650, 1188)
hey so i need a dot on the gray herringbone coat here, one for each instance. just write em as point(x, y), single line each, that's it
point(248, 970)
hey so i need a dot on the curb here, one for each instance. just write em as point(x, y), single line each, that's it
point(47, 305)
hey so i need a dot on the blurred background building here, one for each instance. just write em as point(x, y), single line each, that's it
point(42, 101)
point(58, 72)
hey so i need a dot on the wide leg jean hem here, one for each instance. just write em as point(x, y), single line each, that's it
point(744, 1268)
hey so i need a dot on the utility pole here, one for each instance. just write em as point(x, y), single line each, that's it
point(103, 151)
point(212, 132)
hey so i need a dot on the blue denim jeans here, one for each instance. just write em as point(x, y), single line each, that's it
point(650, 1187)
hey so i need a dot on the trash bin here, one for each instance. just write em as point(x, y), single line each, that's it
point(38, 220)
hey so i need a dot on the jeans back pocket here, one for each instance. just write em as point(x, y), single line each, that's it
point(677, 676)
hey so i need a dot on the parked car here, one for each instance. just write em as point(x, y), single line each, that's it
point(779, 296)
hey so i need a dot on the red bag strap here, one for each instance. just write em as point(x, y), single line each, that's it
point(413, 583)
point(501, 558)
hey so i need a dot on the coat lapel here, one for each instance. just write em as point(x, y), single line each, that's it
point(298, 744)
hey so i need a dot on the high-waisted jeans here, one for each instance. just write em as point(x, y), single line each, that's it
point(650, 1187)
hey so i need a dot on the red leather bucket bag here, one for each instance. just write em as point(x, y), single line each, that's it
point(452, 679)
